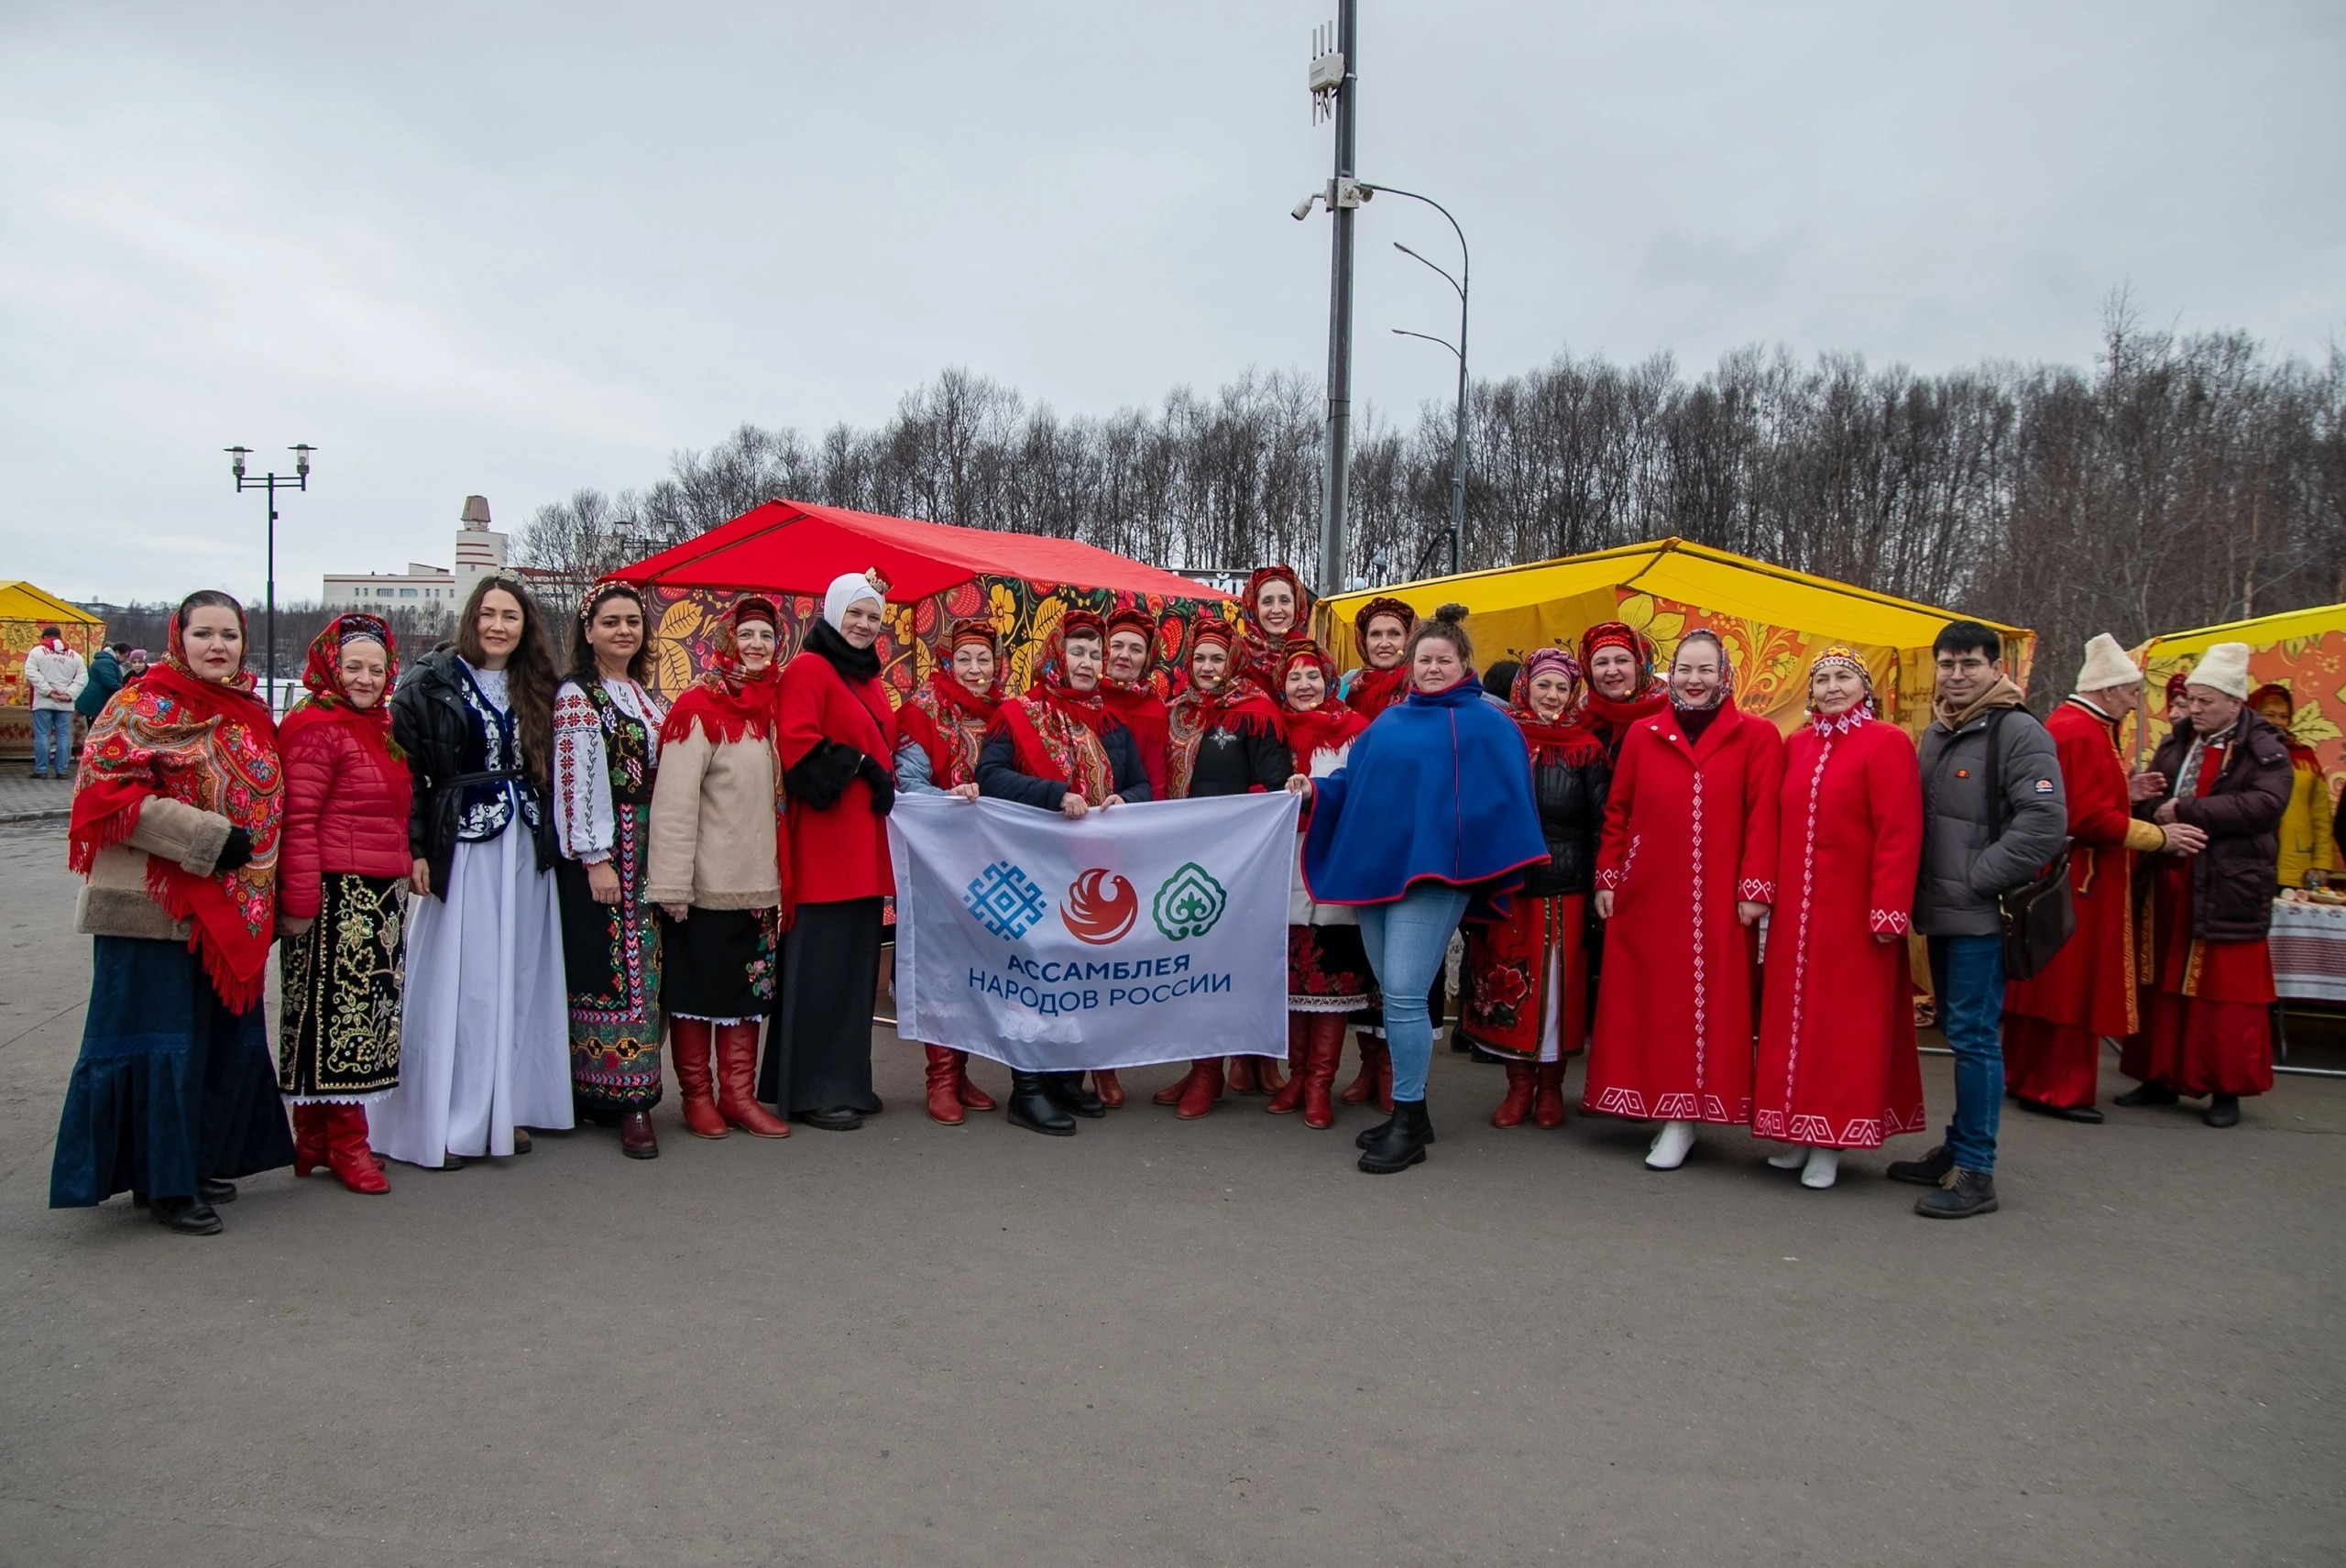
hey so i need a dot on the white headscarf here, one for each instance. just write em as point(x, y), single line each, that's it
point(845, 590)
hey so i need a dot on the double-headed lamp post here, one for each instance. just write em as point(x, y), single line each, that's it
point(297, 480)
point(1458, 469)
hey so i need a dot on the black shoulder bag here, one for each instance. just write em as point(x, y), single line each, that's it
point(2039, 916)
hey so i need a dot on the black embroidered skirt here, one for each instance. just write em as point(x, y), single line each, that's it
point(338, 1037)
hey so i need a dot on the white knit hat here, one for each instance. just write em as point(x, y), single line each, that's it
point(2107, 665)
point(845, 589)
point(2222, 668)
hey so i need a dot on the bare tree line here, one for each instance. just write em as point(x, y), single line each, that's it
point(2181, 480)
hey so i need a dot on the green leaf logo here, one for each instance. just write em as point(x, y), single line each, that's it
point(1188, 904)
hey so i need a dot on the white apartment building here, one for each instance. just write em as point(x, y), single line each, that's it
point(479, 552)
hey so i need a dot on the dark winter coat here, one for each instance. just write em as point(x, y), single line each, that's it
point(1236, 761)
point(1973, 851)
point(1572, 819)
point(106, 679)
point(2232, 877)
point(434, 727)
point(999, 778)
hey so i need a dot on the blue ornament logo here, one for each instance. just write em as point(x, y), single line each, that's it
point(1005, 900)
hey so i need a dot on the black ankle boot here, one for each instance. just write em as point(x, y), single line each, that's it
point(1369, 1135)
point(2145, 1094)
point(1403, 1143)
point(188, 1216)
point(1927, 1171)
point(2223, 1110)
point(1962, 1195)
point(1069, 1093)
point(1030, 1106)
point(213, 1189)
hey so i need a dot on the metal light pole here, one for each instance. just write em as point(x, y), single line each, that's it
point(1459, 283)
point(1335, 81)
point(297, 480)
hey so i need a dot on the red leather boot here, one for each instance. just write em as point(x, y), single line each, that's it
point(312, 1128)
point(1322, 1051)
point(943, 1085)
point(1109, 1087)
point(1244, 1075)
point(688, 1047)
point(1358, 1091)
point(1289, 1098)
point(1518, 1103)
point(1548, 1108)
point(346, 1152)
point(1204, 1087)
point(1171, 1093)
point(972, 1098)
point(737, 1083)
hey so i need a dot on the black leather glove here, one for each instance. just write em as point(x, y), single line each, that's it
point(235, 852)
point(881, 783)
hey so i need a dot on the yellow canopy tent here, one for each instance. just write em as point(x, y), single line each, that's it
point(2304, 649)
point(24, 610)
point(1774, 621)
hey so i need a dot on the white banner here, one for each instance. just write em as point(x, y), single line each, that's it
point(1144, 933)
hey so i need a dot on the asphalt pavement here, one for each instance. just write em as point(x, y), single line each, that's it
point(1166, 1343)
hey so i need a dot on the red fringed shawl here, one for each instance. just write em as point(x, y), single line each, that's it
point(212, 746)
point(728, 702)
point(1056, 730)
point(1374, 691)
point(949, 724)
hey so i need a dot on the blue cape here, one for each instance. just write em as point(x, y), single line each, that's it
point(1438, 789)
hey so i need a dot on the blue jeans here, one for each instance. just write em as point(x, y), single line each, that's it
point(1406, 941)
point(1967, 972)
point(53, 736)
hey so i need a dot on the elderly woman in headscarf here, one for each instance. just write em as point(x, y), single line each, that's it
point(341, 914)
point(1837, 1065)
point(1525, 981)
point(838, 746)
point(1686, 868)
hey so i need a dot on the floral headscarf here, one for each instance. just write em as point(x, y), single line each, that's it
point(1722, 697)
point(1858, 712)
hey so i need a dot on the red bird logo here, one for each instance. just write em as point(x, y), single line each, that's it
point(1101, 907)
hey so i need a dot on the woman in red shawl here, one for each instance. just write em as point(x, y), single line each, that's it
point(1276, 609)
point(176, 815)
point(1622, 687)
point(1059, 749)
point(1133, 690)
point(1525, 981)
point(339, 910)
point(1837, 1067)
point(940, 730)
point(1328, 977)
point(1381, 631)
point(1226, 739)
point(1687, 868)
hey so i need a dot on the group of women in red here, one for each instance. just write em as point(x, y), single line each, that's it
point(502, 892)
point(494, 887)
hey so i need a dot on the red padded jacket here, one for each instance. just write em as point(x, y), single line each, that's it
point(346, 811)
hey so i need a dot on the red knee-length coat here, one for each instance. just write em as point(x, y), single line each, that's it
point(1837, 1068)
point(2090, 981)
point(839, 851)
point(1689, 832)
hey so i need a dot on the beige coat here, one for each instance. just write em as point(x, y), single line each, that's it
point(113, 902)
point(714, 808)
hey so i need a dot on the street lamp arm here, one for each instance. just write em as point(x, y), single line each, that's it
point(1404, 332)
point(1456, 287)
point(1467, 268)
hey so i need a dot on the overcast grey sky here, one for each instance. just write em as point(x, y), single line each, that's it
point(512, 250)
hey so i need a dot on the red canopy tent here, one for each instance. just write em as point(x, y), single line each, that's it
point(937, 575)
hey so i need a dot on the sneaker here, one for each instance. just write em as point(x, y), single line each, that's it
point(1962, 1195)
point(1928, 1172)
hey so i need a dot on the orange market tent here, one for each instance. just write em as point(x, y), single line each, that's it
point(1774, 621)
point(24, 610)
point(2304, 649)
point(937, 575)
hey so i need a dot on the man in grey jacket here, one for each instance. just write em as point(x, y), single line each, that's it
point(1975, 849)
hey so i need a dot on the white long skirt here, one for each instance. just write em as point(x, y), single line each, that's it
point(485, 1033)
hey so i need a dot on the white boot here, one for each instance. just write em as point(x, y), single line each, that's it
point(1790, 1156)
point(1669, 1146)
point(1823, 1166)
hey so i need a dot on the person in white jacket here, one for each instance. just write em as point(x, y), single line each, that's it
point(54, 676)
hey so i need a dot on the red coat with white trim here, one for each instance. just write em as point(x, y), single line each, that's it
point(1838, 1066)
point(838, 847)
point(1689, 832)
point(2090, 981)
